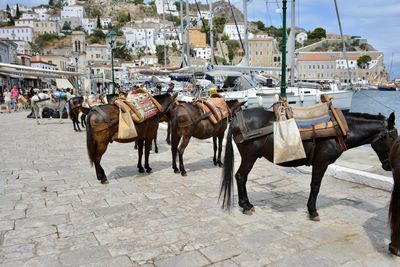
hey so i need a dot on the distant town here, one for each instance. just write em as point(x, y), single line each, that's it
point(72, 36)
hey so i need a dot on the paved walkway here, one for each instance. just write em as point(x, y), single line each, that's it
point(53, 212)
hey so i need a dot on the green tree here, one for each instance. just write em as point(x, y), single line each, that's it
point(224, 37)
point(174, 47)
point(66, 26)
point(98, 26)
point(160, 54)
point(317, 33)
point(362, 62)
point(123, 18)
point(219, 23)
point(17, 12)
point(51, 2)
point(97, 37)
point(95, 12)
point(8, 8)
point(138, 2)
point(231, 53)
point(122, 52)
point(260, 25)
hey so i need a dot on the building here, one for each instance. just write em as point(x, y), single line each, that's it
point(73, 23)
point(27, 22)
point(29, 15)
point(168, 7)
point(78, 41)
point(23, 33)
point(231, 30)
point(41, 9)
point(61, 62)
point(73, 11)
point(262, 51)
point(98, 52)
point(197, 38)
point(41, 27)
point(89, 25)
point(149, 60)
point(37, 62)
point(24, 60)
point(203, 52)
point(141, 38)
point(8, 52)
point(332, 66)
point(3, 16)
point(301, 37)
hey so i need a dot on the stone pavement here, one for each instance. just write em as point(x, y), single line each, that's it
point(53, 211)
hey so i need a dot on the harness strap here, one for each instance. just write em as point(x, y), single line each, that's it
point(313, 145)
point(339, 132)
point(252, 134)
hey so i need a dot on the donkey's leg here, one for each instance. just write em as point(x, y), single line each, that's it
point(181, 150)
point(140, 143)
point(100, 150)
point(215, 147)
point(174, 149)
point(83, 120)
point(155, 144)
point(318, 171)
point(220, 139)
point(241, 178)
point(168, 139)
point(394, 213)
point(147, 148)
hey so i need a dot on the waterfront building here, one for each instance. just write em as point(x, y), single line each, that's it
point(61, 62)
point(197, 38)
point(24, 33)
point(38, 62)
point(261, 51)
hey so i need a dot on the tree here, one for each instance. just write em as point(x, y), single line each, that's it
point(8, 8)
point(96, 12)
point(138, 2)
point(174, 47)
point(160, 54)
point(17, 12)
point(362, 62)
point(317, 33)
point(260, 25)
point(51, 2)
point(219, 23)
point(97, 37)
point(66, 26)
point(98, 23)
point(231, 53)
point(122, 52)
point(224, 37)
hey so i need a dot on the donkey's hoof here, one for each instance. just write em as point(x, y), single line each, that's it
point(184, 173)
point(141, 170)
point(394, 250)
point(149, 170)
point(220, 164)
point(176, 171)
point(104, 181)
point(248, 212)
point(156, 151)
point(315, 218)
point(253, 209)
point(215, 163)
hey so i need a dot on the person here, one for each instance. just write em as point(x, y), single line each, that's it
point(171, 88)
point(14, 96)
point(7, 100)
point(69, 96)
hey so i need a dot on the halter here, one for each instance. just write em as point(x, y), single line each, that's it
point(386, 134)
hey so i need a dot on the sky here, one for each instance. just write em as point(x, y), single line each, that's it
point(375, 20)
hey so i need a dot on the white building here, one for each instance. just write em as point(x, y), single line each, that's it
point(41, 10)
point(231, 30)
point(23, 33)
point(98, 52)
point(169, 7)
point(71, 2)
point(36, 62)
point(141, 37)
point(91, 24)
point(25, 22)
point(301, 37)
point(74, 11)
point(341, 64)
point(151, 60)
point(203, 52)
point(29, 15)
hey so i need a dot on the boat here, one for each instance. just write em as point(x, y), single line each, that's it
point(389, 87)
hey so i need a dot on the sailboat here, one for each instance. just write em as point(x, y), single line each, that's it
point(297, 95)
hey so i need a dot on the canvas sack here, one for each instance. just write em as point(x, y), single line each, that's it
point(126, 127)
point(287, 141)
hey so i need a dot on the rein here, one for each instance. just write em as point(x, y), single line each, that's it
point(386, 134)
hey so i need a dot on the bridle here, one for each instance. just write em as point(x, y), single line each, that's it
point(392, 134)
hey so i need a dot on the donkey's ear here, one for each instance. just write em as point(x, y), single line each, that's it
point(391, 121)
point(175, 95)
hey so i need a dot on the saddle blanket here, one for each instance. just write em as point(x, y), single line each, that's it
point(142, 105)
point(59, 95)
point(217, 106)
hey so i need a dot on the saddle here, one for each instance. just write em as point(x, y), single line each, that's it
point(57, 96)
point(216, 106)
point(89, 102)
point(141, 105)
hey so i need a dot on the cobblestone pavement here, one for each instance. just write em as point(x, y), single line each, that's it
point(53, 211)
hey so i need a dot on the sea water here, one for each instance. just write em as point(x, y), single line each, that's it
point(375, 102)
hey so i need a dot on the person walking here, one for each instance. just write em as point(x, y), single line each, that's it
point(7, 100)
point(14, 96)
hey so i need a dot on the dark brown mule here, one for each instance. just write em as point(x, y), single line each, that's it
point(188, 120)
point(394, 208)
point(75, 107)
point(102, 125)
point(363, 129)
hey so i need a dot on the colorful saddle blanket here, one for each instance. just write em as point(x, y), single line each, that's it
point(217, 106)
point(59, 95)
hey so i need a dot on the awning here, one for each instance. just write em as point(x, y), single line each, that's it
point(63, 84)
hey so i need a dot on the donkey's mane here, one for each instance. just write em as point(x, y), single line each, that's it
point(367, 116)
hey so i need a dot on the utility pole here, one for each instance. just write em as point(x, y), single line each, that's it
point(212, 34)
point(283, 69)
point(292, 42)
point(182, 36)
point(246, 36)
point(187, 33)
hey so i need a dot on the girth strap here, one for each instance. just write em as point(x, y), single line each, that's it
point(246, 134)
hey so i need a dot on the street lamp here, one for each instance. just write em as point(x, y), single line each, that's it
point(111, 37)
point(76, 56)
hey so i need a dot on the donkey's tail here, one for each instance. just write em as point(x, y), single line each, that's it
point(227, 179)
point(394, 209)
point(90, 143)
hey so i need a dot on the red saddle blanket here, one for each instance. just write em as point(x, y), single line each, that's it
point(142, 105)
point(217, 106)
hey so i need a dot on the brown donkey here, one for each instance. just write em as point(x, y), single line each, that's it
point(394, 208)
point(102, 125)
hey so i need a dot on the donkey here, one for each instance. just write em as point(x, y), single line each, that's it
point(41, 100)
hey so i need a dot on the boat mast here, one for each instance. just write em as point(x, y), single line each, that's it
point(283, 69)
point(292, 43)
point(165, 43)
point(182, 36)
point(211, 18)
point(343, 43)
point(246, 37)
point(187, 33)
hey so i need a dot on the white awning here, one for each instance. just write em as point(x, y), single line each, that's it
point(63, 84)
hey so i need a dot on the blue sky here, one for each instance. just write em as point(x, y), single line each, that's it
point(378, 21)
